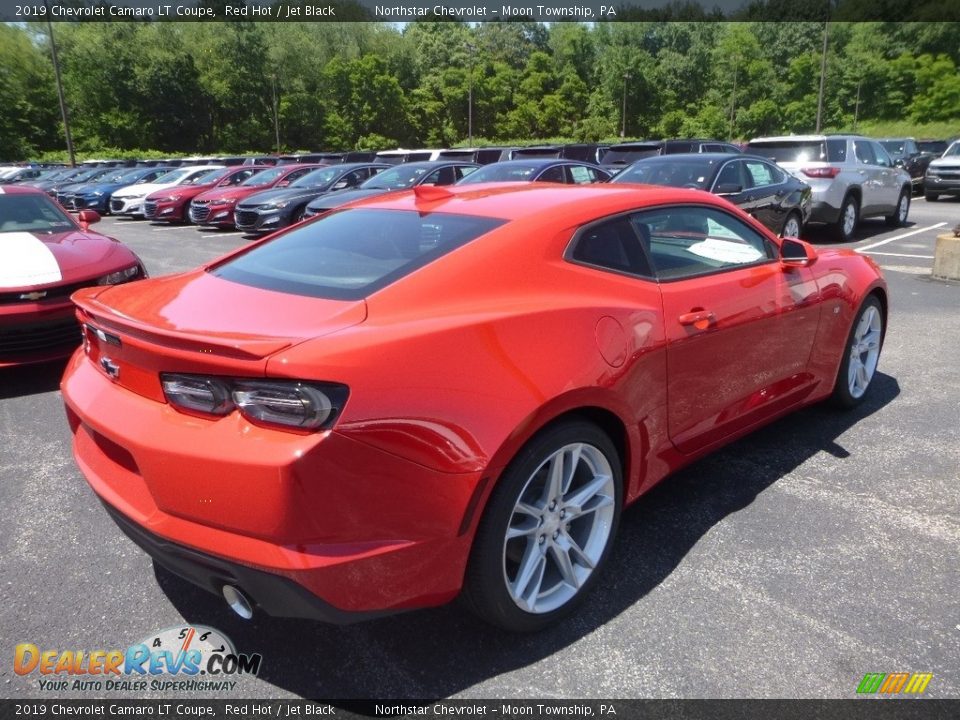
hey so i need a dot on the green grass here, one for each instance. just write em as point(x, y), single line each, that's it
point(905, 128)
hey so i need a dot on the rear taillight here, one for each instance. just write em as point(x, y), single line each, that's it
point(290, 404)
point(821, 172)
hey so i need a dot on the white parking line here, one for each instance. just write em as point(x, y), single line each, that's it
point(924, 257)
point(175, 227)
point(899, 237)
point(223, 234)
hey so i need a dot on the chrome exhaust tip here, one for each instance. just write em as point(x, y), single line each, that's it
point(238, 602)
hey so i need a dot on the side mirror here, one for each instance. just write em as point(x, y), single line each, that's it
point(728, 189)
point(796, 253)
point(88, 218)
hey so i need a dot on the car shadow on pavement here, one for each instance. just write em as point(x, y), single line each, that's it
point(435, 653)
point(866, 230)
point(31, 379)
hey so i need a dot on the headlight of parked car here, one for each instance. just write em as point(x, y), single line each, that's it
point(120, 276)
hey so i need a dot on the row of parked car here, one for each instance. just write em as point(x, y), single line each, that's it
point(784, 182)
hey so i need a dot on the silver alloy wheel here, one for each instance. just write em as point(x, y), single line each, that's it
point(864, 352)
point(791, 228)
point(559, 528)
point(903, 208)
point(849, 218)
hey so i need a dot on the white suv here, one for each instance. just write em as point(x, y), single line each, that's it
point(852, 177)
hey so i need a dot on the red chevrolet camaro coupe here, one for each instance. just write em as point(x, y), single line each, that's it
point(45, 255)
point(451, 389)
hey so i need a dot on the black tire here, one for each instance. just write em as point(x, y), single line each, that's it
point(843, 395)
point(298, 215)
point(494, 557)
point(792, 216)
point(900, 214)
point(931, 196)
point(843, 230)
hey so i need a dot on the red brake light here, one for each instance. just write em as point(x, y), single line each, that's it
point(821, 172)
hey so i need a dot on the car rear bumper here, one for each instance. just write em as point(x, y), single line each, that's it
point(362, 530)
point(823, 212)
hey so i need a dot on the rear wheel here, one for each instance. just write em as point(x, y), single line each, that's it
point(849, 216)
point(791, 226)
point(547, 529)
point(862, 353)
point(899, 216)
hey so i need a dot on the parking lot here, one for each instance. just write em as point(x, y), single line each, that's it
point(787, 565)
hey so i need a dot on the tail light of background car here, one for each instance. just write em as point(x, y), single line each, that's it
point(821, 172)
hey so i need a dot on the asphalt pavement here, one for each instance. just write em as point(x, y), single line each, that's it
point(787, 565)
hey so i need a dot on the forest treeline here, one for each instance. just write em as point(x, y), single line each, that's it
point(214, 87)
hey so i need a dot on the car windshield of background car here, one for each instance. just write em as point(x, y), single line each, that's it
point(317, 178)
point(32, 213)
point(669, 172)
point(267, 177)
point(396, 178)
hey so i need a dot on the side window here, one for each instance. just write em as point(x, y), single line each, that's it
point(763, 174)
point(880, 152)
point(729, 177)
point(864, 152)
point(612, 245)
point(836, 150)
point(463, 170)
point(441, 176)
point(554, 174)
point(582, 175)
point(686, 241)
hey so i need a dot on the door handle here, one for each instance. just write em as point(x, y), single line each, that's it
point(700, 319)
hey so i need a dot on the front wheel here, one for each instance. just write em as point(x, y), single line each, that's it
point(547, 529)
point(862, 353)
point(931, 197)
point(899, 217)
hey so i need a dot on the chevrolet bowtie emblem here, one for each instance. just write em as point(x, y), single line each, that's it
point(110, 368)
point(37, 295)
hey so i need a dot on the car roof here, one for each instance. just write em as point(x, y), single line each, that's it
point(551, 201)
point(539, 162)
point(20, 190)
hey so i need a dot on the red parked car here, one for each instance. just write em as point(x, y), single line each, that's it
point(214, 208)
point(45, 255)
point(171, 204)
point(451, 389)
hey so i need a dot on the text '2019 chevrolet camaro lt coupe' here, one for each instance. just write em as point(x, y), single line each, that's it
point(450, 389)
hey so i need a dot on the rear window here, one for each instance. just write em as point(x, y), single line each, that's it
point(350, 254)
point(625, 156)
point(791, 150)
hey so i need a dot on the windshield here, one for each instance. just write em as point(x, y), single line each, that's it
point(397, 178)
point(632, 153)
point(267, 177)
point(349, 254)
point(953, 150)
point(791, 150)
point(211, 177)
point(317, 178)
point(673, 173)
point(32, 213)
point(502, 172)
point(894, 147)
